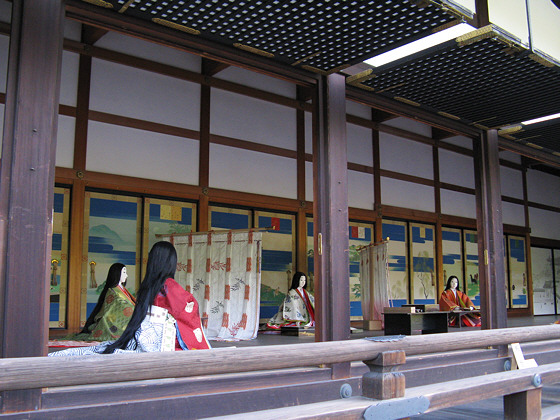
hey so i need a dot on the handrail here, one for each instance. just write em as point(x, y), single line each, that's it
point(39, 372)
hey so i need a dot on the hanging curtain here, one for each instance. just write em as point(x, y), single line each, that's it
point(223, 272)
point(374, 279)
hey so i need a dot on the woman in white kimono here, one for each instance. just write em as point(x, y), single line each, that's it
point(298, 308)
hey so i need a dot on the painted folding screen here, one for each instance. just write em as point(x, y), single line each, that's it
point(374, 276)
point(223, 272)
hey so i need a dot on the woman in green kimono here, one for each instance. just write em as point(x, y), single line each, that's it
point(114, 308)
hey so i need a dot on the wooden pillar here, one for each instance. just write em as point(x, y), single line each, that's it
point(490, 231)
point(524, 405)
point(204, 148)
point(301, 239)
point(330, 180)
point(27, 183)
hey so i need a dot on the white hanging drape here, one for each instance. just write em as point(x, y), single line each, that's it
point(223, 272)
point(374, 278)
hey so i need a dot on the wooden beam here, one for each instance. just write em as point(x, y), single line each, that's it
point(92, 34)
point(330, 186)
point(211, 67)
point(490, 231)
point(27, 179)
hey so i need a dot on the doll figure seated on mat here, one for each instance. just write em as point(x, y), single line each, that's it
point(452, 299)
point(298, 308)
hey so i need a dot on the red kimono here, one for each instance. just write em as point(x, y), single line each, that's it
point(448, 301)
point(184, 308)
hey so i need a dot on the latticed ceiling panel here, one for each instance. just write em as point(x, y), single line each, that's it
point(321, 35)
point(488, 82)
point(542, 135)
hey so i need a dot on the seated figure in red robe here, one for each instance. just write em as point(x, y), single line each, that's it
point(452, 299)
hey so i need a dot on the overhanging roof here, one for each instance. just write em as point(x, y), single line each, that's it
point(486, 79)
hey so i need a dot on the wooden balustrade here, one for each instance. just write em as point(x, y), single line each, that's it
point(40, 372)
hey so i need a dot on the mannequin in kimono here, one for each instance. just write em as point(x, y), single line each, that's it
point(452, 299)
point(297, 309)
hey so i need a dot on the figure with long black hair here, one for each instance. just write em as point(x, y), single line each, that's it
point(113, 310)
point(297, 309)
point(165, 317)
point(452, 299)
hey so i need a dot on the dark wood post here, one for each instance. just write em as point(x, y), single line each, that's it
point(524, 405)
point(383, 381)
point(27, 183)
point(330, 181)
point(490, 231)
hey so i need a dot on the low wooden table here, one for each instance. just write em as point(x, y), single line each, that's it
point(405, 323)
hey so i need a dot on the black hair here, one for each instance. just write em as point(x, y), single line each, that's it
point(161, 265)
point(295, 280)
point(113, 279)
point(448, 286)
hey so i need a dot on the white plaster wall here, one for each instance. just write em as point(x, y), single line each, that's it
point(510, 15)
point(510, 156)
point(308, 133)
point(456, 168)
point(69, 78)
point(149, 51)
point(358, 110)
point(126, 151)
point(543, 188)
point(399, 193)
point(513, 214)
point(5, 11)
point(360, 190)
point(308, 181)
point(250, 119)
point(359, 145)
point(512, 182)
point(544, 223)
point(410, 125)
point(468, 4)
point(65, 141)
point(4, 51)
point(460, 141)
point(258, 81)
point(72, 30)
point(406, 156)
point(458, 204)
point(252, 172)
point(130, 92)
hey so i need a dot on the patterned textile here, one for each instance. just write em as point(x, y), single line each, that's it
point(223, 272)
point(374, 276)
point(449, 301)
point(112, 319)
point(298, 309)
point(171, 324)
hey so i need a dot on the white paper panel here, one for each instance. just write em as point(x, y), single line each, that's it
point(458, 204)
point(1, 127)
point(69, 78)
point(258, 81)
point(544, 223)
point(359, 147)
point(407, 194)
point(126, 151)
point(308, 133)
point(140, 94)
point(406, 156)
point(460, 141)
point(543, 188)
point(72, 30)
point(512, 182)
point(252, 172)
point(65, 141)
point(150, 51)
point(456, 168)
point(308, 181)
point(510, 156)
point(545, 30)
point(5, 11)
point(513, 214)
point(250, 119)
point(360, 190)
point(510, 15)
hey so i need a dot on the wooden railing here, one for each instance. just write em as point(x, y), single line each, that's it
point(381, 354)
